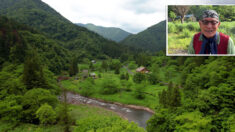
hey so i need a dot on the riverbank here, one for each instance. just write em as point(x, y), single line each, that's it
point(137, 114)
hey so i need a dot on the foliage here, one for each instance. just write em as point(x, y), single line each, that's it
point(152, 39)
point(193, 121)
point(109, 86)
point(161, 121)
point(33, 73)
point(172, 15)
point(87, 87)
point(152, 78)
point(106, 124)
point(138, 77)
point(73, 68)
point(33, 99)
point(11, 109)
point(139, 91)
point(46, 114)
point(171, 97)
point(104, 65)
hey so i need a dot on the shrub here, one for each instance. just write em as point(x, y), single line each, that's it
point(139, 89)
point(87, 87)
point(138, 77)
point(179, 27)
point(171, 28)
point(109, 86)
point(233, 30)
point(126, 85)
point(33, 99)
point(186, 33)
point(46, 114)
point(193, 27)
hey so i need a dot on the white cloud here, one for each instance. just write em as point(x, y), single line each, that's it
point(130, 15)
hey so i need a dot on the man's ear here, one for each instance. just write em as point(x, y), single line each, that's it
point(218, 24)
point(200, 23)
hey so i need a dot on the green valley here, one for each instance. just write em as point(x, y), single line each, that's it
point(44, 56)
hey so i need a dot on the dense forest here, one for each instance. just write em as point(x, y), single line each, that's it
point(152, 39)
point(185, 93)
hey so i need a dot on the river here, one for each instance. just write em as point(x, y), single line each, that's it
point(138, 116)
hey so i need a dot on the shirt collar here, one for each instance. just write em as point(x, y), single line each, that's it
point(217, 39)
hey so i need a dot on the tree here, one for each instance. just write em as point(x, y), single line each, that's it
point(33, 76)
point(139, 91)
point(181, 11)
point(152, 79)
point(91, 66)
point(46, 114)
point(87, 87)
point(73, 68)
point(138, 77)
point(63, 112)
point(171, 97)
point(104, 65)
point(109, 86)
point(117, 70)
point(172, 15)
point(127, 76)
point(33, 99)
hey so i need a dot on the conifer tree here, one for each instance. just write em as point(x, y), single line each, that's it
point(127, 76)
point(73, 68)
point(104, 65)
point(33, 76)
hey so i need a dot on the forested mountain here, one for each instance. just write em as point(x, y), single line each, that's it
point(152, 39)
point(111, 33)
point(16, 40)
point(39, 15)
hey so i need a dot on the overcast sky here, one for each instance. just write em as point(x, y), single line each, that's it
point(131, 15)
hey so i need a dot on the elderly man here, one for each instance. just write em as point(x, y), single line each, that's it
point(209, 41)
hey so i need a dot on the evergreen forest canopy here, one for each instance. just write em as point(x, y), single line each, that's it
point(152, 39)
point(36, 44)
point(79, 40)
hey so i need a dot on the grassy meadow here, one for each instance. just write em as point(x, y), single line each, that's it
point(126, 88)
point(180, 35)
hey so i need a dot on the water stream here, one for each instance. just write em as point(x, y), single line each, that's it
point(138, 116)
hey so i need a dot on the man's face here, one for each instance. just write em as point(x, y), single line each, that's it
point(209, 26)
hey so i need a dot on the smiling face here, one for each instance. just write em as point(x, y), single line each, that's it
point(209, 26)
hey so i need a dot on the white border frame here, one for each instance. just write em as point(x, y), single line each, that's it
point(189, 42)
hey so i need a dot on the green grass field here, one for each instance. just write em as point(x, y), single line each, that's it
point(123, 96)
point(180, 35)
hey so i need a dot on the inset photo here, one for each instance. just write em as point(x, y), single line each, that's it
point(203, 30)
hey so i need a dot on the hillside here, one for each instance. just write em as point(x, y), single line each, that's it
point(152, 39)
point(39, 15)
point(17, 40)
point(111, 33)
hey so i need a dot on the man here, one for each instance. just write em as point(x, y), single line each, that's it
point(209, 41)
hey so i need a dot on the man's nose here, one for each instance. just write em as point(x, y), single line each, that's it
point(209, 24)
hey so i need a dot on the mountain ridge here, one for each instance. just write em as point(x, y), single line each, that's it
point(152, 39)
point(111, 33)
point(48, 21)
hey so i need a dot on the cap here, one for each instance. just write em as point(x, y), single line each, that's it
point(210, 14)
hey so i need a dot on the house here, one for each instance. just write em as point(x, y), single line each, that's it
point(85, 73)
point(142, 70)
point(61, 78)
point(93, 75)
point(93, 61)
